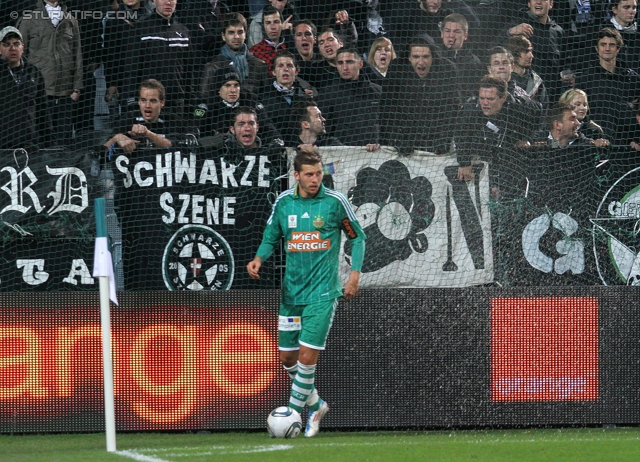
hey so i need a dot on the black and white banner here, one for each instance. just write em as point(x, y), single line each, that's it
point(47, 222)
point(193, 218)
point(424, 227)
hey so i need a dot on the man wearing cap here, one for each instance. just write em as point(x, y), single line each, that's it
point(24, 119)
point(51, 41)
point(225, 97)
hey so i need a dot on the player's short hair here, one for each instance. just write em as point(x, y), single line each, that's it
point(491, 82)
point(153, 84)
point(243, 110)
point(306, 156)
point(518, 45)
point(556, 113)
point(314, 29)
point(610, 32)
point(285, 54)
point(233, 19)
point(457, 19)
point(498, 51)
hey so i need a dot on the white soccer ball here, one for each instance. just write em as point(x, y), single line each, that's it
point(284, 422)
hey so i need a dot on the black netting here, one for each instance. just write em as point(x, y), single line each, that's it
point(479, 142)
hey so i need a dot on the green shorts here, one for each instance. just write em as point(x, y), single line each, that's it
point(306, 325)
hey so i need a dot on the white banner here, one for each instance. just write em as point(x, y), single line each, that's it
point(424, 227)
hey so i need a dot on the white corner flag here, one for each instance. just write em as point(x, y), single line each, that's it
point(102, 260)
point(103, 270)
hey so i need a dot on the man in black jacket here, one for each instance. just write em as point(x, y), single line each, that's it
point(160, 48)
point(467, 66)
point(24, 120)
point(312, 130)
point(547, 38)
point(419, 91)
point(610, 85)
point(253, 72)
point(351, 104)
point(490, 129)
point(226, 96)
point(281, 98)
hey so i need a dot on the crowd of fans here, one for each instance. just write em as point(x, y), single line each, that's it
point(444, 77)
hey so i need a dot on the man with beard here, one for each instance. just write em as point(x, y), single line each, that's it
point(253, 72)
point(312, 131)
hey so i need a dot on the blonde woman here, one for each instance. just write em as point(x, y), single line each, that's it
point(380, 56)
point(577, 99)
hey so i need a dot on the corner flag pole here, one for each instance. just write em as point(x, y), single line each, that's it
point(103, 269)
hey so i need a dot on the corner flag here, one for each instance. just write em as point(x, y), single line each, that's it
point(102, 260)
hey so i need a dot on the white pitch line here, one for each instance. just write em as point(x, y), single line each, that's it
point(277, 447)
point(139, 457)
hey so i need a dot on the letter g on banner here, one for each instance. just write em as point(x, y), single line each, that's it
point(572, 250)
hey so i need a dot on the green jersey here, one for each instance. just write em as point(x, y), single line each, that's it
point(312, 231)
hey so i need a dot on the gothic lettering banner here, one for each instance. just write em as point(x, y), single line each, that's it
point(48, 226)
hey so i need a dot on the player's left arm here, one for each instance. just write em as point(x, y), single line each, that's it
point(356, 235)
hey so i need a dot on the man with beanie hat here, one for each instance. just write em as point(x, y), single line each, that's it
point(225, 97)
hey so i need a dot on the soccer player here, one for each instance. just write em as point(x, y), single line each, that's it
point(310, 217)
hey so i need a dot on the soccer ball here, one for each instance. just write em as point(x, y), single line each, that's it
point(284, 422)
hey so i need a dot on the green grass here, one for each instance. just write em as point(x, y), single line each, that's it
point(557, 445)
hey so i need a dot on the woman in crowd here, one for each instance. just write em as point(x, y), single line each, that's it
point(380, 56)
point(577, 99)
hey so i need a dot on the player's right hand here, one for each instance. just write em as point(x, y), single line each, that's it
point(253, 268)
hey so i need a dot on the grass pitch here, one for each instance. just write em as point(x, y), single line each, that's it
point(556, 445)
